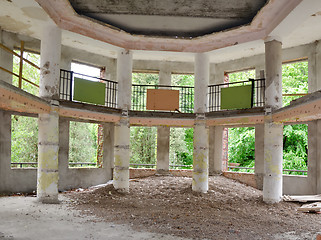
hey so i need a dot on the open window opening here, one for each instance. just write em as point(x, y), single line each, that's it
point(294, 81)
point(143, 147)
point(295, 149)
point(30, 75)
point(83, 145)
point(181, 148)
point(240, 76)
point(241, 149)
point(24, 142)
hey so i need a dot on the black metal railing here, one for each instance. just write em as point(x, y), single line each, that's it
point(153, 166)
point(186, 97)
point(290, 171)
point(258, 93)
point(67, 87)
point(35, 164)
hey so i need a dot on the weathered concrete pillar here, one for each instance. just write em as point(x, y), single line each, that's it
point(259, 155)
point(215, 150)
point(314, 127)
point(63, 157)
point(200, 155)
point(122, 129)
point(273, 132)
point(110, 73)
point(6, 61)
point(259, 142)
point(163, 133)
point(108, 152)
point(215, 145)
point(111, 69)
point(48, 147)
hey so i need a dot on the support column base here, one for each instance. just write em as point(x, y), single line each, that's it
point(163, 172)
point(259, 180)
point(48, 199)
point(215, 173)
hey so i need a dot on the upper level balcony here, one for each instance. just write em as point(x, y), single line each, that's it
point(78, 87)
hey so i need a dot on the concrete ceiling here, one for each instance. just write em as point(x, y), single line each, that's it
point(299, 26)
point(179, 18)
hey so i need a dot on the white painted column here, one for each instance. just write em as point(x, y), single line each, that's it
point(108, 152)
point(314, 127)
point(48, 147)
point(200, 155)
point(215, 158)
point(163, 133)
point(122, 128)
point(215, 150)
point(109, 128)
point(259, 142)
point(6, 61)
point(273, 132)
point(64, 127)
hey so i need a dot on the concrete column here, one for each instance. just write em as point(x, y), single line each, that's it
point(122, 129)
point(6, 61)
point(64, 127)
point(163, 133)
point(273, 132)
point(108, 152)
point(48, 147)
point(259, 142)
point(200, 155)
point(163, 139)
point(215, 157)
point(215, 150)
point(63, 157)
point(111, 69)
point(314, 127)
point(259, 155)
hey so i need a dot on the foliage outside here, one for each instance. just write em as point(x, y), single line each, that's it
point(83, 137)
point(295, 137)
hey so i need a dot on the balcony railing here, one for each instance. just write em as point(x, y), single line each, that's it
point(67, 87)
point(139, 92)
point(186, 97)
point(257, 96)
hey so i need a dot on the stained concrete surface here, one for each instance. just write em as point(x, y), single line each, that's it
point(25, 218)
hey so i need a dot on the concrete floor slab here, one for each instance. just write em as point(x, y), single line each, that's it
point(25, 218)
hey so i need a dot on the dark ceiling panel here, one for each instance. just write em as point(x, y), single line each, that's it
point(224, 14)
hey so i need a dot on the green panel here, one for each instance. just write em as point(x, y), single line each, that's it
point(89, 91)
point(236, 97)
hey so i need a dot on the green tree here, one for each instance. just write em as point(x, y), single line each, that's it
point(24, 139)
point(295, 140)
point(82, 142)
point(143, 142)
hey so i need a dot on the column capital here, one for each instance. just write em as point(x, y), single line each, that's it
point(273, 38)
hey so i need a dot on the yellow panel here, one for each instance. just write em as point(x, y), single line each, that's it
point(162, 99)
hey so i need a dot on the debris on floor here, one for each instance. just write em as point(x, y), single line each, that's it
point(167, 205)
point(313, 207)
point(302, 198)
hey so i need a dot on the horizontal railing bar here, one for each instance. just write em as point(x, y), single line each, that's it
point(30, 163)
point(75, 73)
point(17, 55)
point(294, 94)
point(81, 163)
point(220, 84)
point(16, 75)
point(284, 170)
point(167, 86)
point(141, 164)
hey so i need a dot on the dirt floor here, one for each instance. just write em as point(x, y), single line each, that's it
point(165, 204)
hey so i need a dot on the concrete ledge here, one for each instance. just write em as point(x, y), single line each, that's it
point(246, 178)
point(146, 172)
